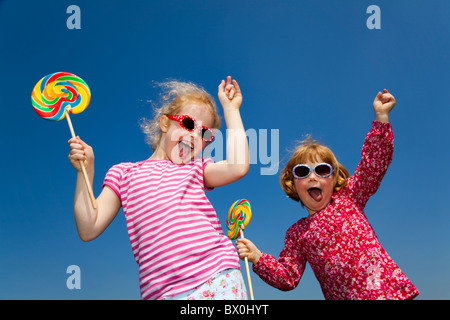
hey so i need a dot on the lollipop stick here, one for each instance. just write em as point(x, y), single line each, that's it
point(83, 169)
point(248, 270)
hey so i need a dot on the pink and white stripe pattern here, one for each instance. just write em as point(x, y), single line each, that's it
point(176, 237)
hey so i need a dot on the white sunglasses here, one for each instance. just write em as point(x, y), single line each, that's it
point(322, 170)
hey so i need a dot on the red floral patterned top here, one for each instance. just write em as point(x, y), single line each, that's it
point(338, 241)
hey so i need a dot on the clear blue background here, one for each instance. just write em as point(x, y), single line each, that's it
point(303, 66)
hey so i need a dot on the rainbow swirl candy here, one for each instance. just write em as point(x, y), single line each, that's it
point(57, 92)
point(239, 216)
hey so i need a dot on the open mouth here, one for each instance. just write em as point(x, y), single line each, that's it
point(185, 149)
point(315, 193)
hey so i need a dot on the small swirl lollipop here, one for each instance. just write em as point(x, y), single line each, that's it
point(238, 218)
point(58, 94)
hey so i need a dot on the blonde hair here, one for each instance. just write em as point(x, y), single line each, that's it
point(176, 95)
point(310, 150)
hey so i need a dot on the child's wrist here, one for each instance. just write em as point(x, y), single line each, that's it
point(231, 115)
point(257, 257)
point(231, 109)
point(89, 172)
point(382, 117)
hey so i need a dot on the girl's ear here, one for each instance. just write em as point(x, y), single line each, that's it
point(164, 123)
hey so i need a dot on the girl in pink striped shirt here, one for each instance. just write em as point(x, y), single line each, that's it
point(175, 235)
point(336, 238)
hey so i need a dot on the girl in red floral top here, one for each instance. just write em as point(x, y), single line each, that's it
point(336, 238)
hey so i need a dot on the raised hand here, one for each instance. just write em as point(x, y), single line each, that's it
point(230, 94)
point(382, 105)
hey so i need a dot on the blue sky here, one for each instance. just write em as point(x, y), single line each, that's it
point(303, 67)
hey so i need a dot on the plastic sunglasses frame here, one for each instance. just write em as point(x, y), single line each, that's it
point(310, 170)
point(180, 119)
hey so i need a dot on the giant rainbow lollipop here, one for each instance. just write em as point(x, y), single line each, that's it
point(58, 94)
point(238, 218)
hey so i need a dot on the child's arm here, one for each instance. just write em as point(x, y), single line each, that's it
point(284, 273)
point(236, 164)
point(376, 154)
point(90, 222)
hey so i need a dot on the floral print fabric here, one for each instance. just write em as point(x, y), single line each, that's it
point(225, 285)
point(338, 241)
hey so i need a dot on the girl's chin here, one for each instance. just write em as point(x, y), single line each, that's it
point(182, 155)
point(316, 207)
point(180, 161)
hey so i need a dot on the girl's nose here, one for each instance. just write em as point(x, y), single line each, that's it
point(196, 138)
point(312, 176)
point(195, 135)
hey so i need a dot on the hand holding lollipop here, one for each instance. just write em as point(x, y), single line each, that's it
point(58, 94)
point(238, 218)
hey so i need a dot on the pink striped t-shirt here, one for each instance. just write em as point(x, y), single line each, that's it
point(175, 234)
